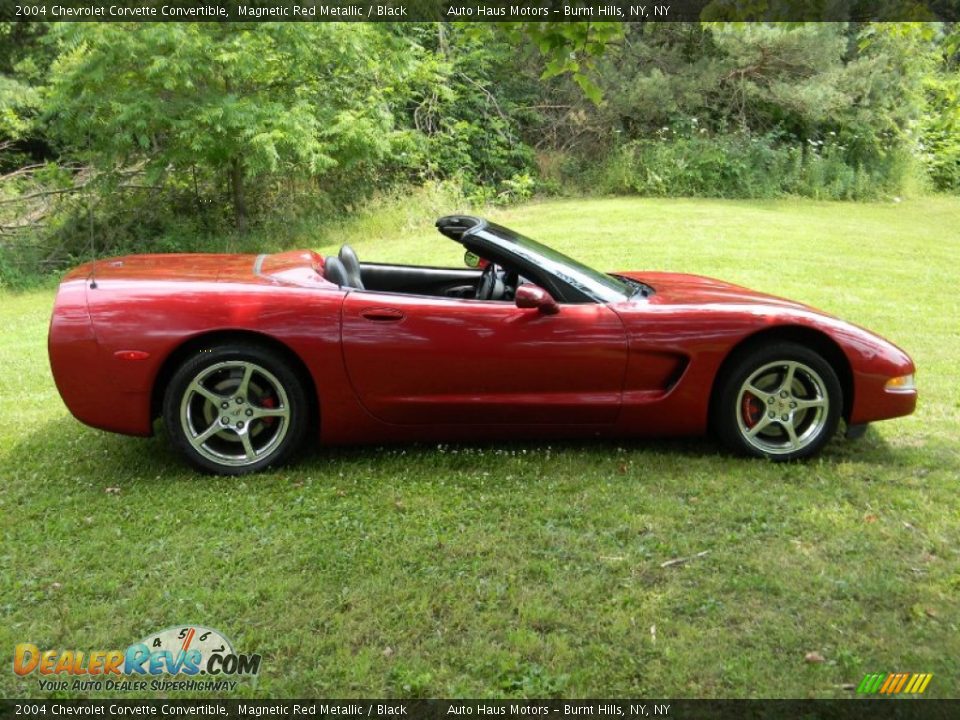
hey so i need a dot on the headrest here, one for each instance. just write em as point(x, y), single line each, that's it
point(334, 271)
point(352, 265)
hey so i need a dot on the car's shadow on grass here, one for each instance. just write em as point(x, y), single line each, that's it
point(66, 450)
point(872, 447)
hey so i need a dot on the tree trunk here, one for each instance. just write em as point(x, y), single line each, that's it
point(236, 193)
point(442, 39)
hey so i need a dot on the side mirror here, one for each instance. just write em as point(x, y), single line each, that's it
point(531, 296)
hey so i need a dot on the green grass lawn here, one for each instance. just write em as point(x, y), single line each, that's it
point(531, 569)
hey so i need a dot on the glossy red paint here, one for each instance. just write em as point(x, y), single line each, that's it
point(702, 320)
point(467, 362)
point(393, 367)
point(531, 296)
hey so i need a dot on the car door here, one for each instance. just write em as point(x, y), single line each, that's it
point(429, 360)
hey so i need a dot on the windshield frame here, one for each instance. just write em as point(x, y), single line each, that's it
point(581, 282)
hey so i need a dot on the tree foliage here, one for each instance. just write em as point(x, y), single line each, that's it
point(143, 131)
point(836, 107)
point(226, 99)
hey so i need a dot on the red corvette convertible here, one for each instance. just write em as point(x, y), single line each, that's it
point(245, 357)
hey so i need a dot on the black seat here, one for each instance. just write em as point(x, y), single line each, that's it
point(334, 271)
point(351, 264)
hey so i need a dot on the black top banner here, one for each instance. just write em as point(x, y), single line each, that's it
point(875, 709)
point(480, 10)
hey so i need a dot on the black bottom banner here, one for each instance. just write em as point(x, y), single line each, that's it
point(874, 709)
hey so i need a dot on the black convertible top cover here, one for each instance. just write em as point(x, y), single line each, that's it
point(455, 226)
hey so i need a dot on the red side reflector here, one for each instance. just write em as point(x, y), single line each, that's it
point(131, 354)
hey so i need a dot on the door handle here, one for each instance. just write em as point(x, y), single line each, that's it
point(382, 314)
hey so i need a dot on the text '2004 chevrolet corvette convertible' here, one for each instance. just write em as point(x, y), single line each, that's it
point(246, 357)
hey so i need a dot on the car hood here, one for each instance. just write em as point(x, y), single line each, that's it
point(683, 289)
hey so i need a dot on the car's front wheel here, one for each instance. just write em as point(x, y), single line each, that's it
point(236, 409)
point(780, 401)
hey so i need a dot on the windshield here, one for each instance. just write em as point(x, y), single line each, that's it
point(601, 286)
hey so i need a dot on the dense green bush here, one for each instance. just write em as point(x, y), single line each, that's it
point(733, 166)
point(737, 166)
point(822, 110)
point(940, 131)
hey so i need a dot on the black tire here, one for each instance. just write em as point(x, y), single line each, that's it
point(208, 412)
point(756, 413)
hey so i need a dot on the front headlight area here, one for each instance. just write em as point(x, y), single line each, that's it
point(901, 384)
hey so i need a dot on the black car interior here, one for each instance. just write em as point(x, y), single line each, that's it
point(497, 280)
point(507, 267)
point(492, 283)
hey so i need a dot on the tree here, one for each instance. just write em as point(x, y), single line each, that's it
point(235, 100)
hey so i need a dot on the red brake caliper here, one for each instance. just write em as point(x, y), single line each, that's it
point(752, 410)
point(268, 402)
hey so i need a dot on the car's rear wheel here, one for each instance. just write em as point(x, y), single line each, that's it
point(236, 409)
point(780, 401)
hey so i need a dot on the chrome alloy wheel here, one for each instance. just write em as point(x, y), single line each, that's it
point(782, 407)
point(235, 413)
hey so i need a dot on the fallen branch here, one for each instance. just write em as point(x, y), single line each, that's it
point(25, 170)
point(18, 227)
point(682, 560)
point(75, 189)
point(43, 193)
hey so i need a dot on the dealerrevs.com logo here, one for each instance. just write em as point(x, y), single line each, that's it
point(203, 655)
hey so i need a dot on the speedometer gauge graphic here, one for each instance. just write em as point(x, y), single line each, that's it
point(186, 641)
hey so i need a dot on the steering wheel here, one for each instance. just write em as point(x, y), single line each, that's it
point(490, 286)
point(511, 281)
